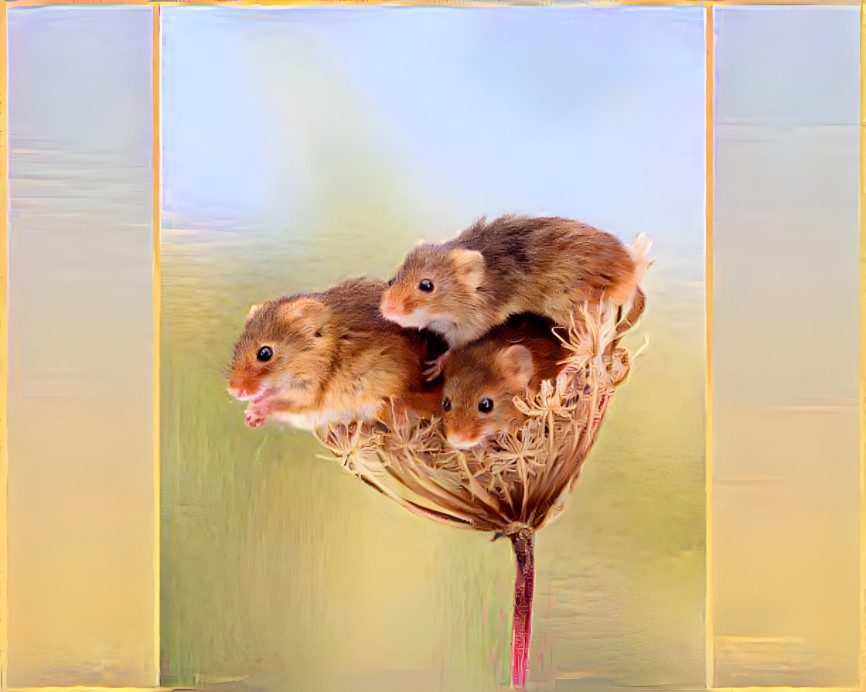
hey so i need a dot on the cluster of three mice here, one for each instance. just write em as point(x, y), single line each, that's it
point(493, 294)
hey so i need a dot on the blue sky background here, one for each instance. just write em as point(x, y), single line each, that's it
point(441, 113)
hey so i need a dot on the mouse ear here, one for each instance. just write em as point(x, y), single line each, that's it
point(469, 265)
point(307, 309)
point(253, 310)
point(515, 364)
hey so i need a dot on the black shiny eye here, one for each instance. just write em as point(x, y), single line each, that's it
point(264, 353)
point(426, 285)
point(390, 282)
point(446, 405)
point(485, 405)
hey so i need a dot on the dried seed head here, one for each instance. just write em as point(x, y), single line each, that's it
point(520, 478)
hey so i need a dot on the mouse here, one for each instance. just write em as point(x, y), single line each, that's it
point(462, 288)
point(313, 359)
point(483, 377)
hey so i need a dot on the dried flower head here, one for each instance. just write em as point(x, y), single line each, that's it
point(517, 479)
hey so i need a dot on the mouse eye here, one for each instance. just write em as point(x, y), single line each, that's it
point(485, 405)
point(426, 285)
point(264, 354)
point(446, 405)
point(390, 283)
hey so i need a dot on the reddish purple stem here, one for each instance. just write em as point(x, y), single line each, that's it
point(521, 631)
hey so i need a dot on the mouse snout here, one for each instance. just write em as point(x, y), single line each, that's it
point(390, 308)
point(462, 440)
point(459, 442)
point(236, 391)
point(239, 391)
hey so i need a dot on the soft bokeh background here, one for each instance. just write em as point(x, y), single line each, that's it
point(81, 583)
point(303, 146)
point(786, 457)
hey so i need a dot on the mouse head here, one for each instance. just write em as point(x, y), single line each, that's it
point(284, 351)
point(433, 283)
point(481, 382)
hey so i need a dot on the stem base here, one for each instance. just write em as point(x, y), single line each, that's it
point(523, 542)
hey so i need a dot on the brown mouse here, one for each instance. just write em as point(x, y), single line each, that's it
point(545, 265)
point(313, 359)
point(483, 377)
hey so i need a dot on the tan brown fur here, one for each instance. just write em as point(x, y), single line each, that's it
point(334, 358)
point(513, 264)
point(509, 361)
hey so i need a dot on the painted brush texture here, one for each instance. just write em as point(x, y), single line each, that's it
point(786, 353)
point(81, 583)
point(299, 152)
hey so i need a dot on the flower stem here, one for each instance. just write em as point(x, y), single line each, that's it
point(523, 543)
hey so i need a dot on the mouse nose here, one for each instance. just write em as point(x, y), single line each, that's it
point(238, 392)
point(462, 442)
point(391, 308)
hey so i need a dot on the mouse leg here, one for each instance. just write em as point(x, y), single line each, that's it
point(434, 367)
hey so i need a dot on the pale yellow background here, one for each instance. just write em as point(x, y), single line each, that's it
point(786, 245)
point(80, 500)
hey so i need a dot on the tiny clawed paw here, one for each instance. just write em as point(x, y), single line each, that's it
point(254, 421)
point(434, 367)
point(255, 417)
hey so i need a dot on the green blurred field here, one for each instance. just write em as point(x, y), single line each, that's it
point(282, 571)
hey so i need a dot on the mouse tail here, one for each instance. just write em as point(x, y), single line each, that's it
point(639, 251)
point(633, 308)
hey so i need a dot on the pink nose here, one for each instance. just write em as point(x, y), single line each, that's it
point(389, 308)
point(238, 392)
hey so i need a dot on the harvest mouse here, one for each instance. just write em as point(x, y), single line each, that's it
point(312, 359)
point(483, 377)
point(545, 265)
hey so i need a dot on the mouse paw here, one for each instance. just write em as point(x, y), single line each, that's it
point(254, 421)
point(434, 367)
point(255, 415)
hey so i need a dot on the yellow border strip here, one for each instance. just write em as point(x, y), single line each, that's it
point(157, 288)
point(862, 272)
point(708, 317)
point(4, 352)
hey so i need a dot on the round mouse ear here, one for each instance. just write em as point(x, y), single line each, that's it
point(253, 310)
point(305, 312)
point(515, 364)
point(469, 265)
